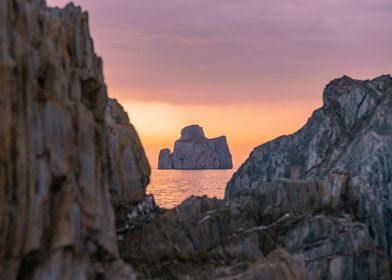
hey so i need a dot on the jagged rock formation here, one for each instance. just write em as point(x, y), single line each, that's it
point(321, 194)
point(194, 151)
point(129, 171)
point(313, 205)
point(351, 134)
point(323, 223)
point(60, 153)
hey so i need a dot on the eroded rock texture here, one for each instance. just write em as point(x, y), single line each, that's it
point(351, 134)
point(323, 224)
point(321, 197)
point(313, 205)
point(194, 151)
point(129, 171)
point(59, 153)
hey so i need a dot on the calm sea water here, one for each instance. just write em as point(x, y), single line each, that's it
point(171, 187)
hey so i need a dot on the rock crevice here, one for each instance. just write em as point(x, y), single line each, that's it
point(321, 195)
point(73, 175)
point(67, 151)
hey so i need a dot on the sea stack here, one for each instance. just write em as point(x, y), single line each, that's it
point(316, 204)
point(194, 151)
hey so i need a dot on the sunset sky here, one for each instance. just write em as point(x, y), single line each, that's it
point(248, 69)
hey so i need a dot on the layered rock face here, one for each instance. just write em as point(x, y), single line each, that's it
point(129, 170)
point(62, 149)
point(313, 205)
point(322, 226)
point(351, 134)
point(319, 199)
point(194, 151)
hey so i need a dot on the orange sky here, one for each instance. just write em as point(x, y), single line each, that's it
point(251, 70)
point(245, 125)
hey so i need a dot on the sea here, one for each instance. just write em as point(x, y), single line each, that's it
point(171, 187)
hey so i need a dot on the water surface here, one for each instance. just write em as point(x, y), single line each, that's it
point(171, 187)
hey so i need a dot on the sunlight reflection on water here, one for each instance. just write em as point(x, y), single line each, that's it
point(171, 187)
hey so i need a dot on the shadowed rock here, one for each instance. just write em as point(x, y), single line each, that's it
point(313, 205)
point(164, 160)
point(194, 151)
point(129, 172)
point(351, 134)
point(321, 194)
point(63, 147)
point(323, 223)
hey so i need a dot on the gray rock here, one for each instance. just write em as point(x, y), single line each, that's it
point(61, 149)
point(326, 224)
point(129, 170)
point(321, 194)
point(192, 132)
point(194, 151)
point(313, 205)
point(219, 144)
point(165, 161)
point(351, 134)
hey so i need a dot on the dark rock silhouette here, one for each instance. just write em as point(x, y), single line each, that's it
point(194, 151)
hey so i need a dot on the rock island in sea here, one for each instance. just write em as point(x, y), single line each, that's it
point(73, 175)
point(194, 151)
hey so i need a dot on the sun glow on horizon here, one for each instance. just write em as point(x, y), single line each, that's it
point(250, 70)
point(245, 125)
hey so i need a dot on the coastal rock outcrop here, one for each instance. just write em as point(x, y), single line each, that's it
point(321, 197)
point(350, 134)
point(73, 174)
point(324, 226)
point(194, 151)
point(129, 170)
point(64, 147)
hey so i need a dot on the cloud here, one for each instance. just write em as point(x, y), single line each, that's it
point(230, 51)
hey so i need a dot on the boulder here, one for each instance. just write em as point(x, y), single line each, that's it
point(194, 151)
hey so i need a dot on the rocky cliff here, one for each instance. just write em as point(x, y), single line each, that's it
point(194, 151)
point(129, 170)
point(318, 201)
point(64, 147)
point(73, 174)
point(351, 134)
point(320, 229)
